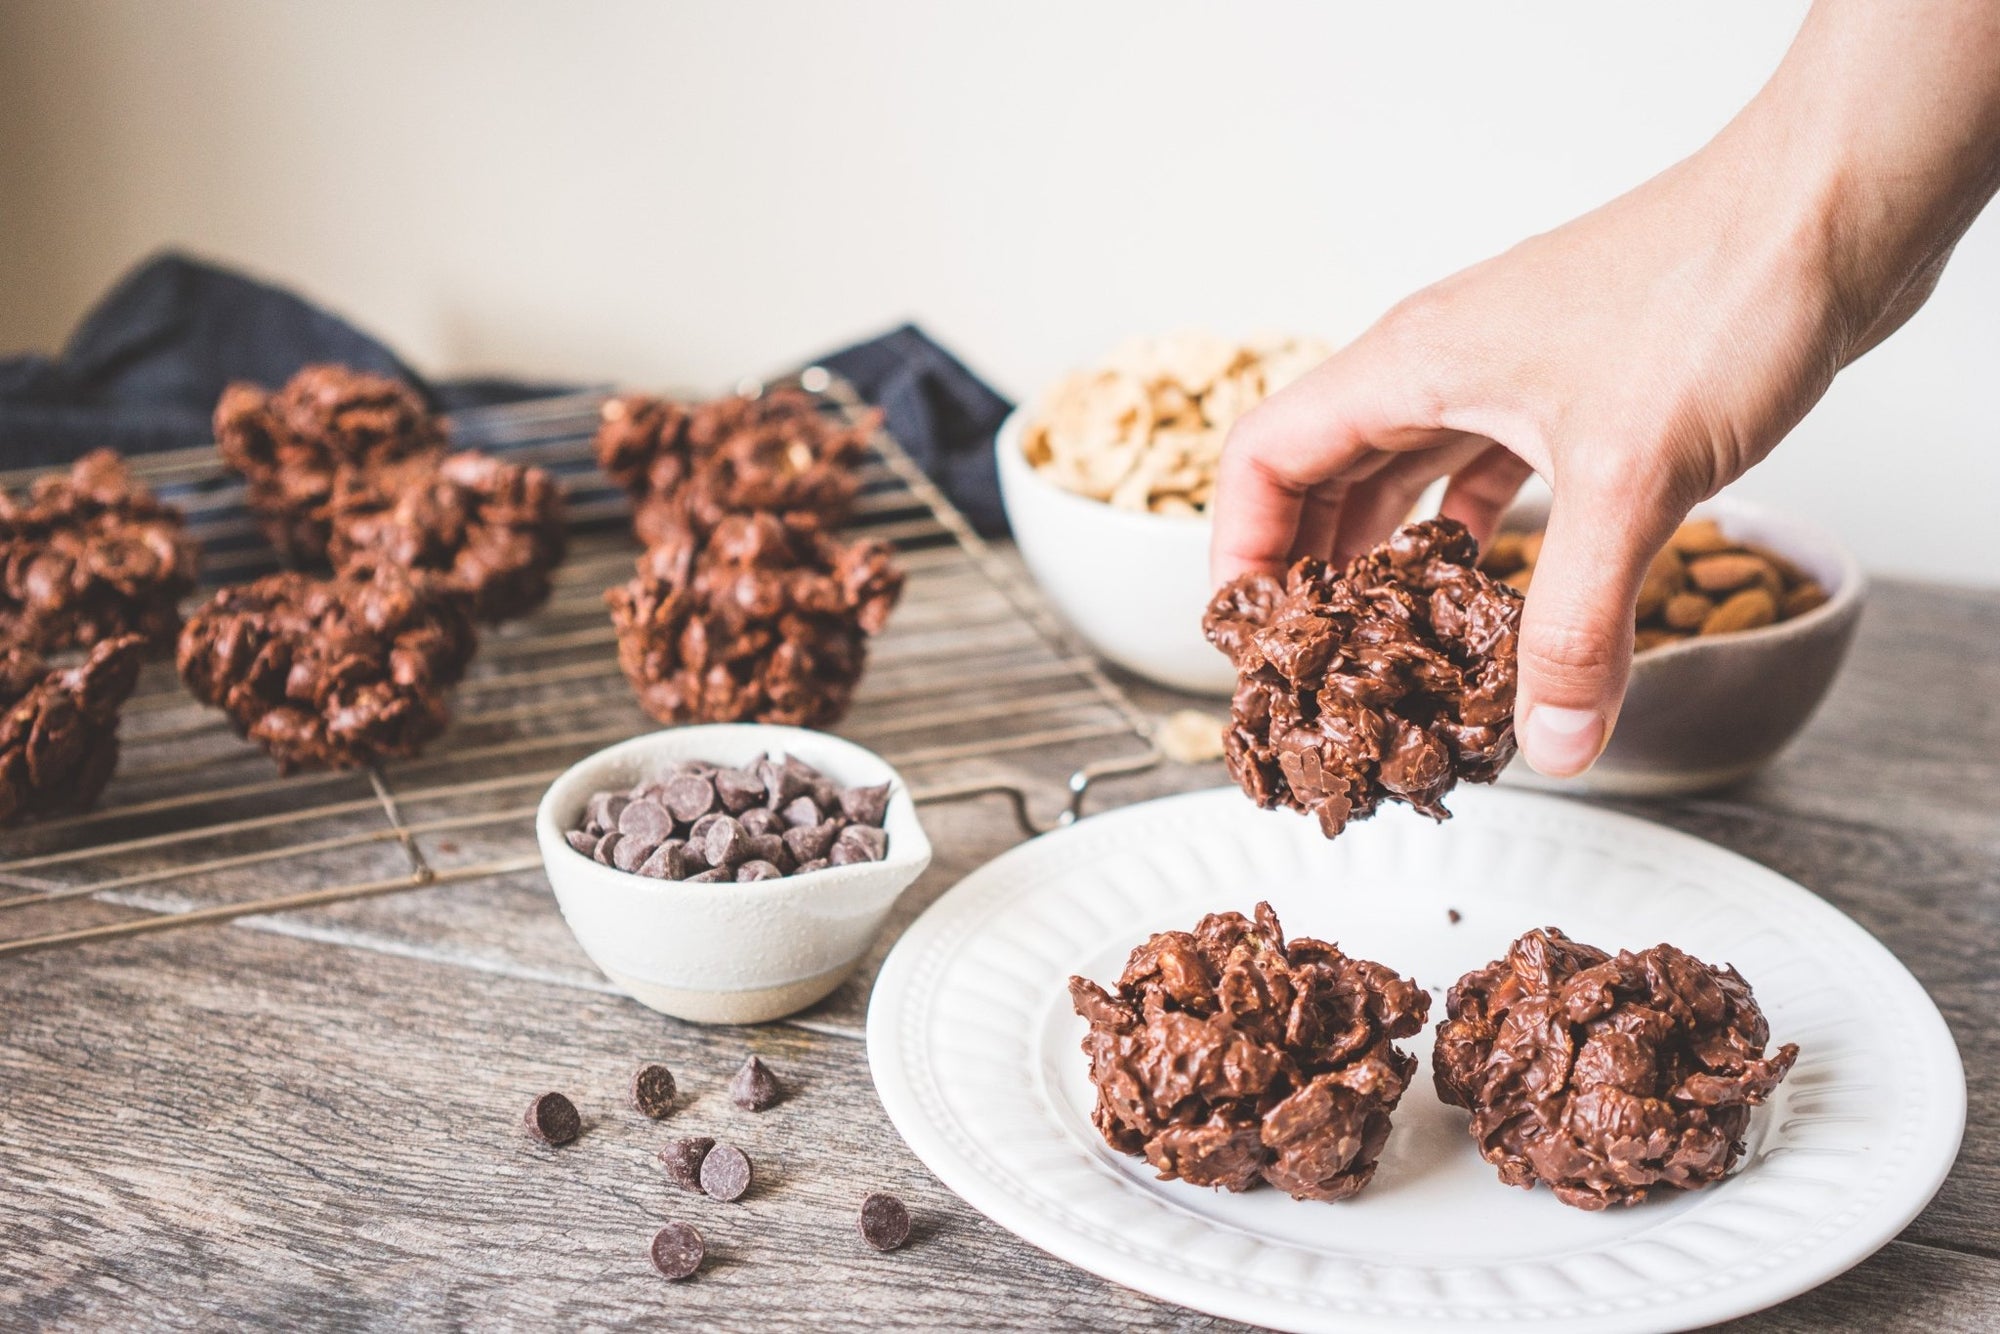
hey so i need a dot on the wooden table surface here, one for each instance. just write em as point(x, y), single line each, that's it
point(314, 1120)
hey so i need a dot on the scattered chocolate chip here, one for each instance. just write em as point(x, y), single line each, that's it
point(647, 821)
point(1455, 915)
point(690, 796)
point(605, 847)
point(801, 813)
point(678, 1251)
point(865, 805)
point(754, 1087)
point(631, 853)
point(757, 870)
point(738, 791)
point(683, 1159)
point(725, 1172)
point(553, 1119)
point(668, 861)
point(885, 1222)
point(653, 1090)
point(582, 840)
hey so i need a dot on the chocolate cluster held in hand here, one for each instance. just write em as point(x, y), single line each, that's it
point(693, 463)
point(493, 530)
point(59, 728)
point(763, 620)
point(330, 673)
point(1605, 1077)
point(1389, 680)
point(91, 555)
point(705, 823)
point(1227, 1057)
point(290, 445)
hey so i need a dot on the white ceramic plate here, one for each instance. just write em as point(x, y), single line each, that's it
point(975, 1053)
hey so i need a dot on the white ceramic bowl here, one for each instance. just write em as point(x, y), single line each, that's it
point(1134, 585)
point(1707, 712)
point(727, 953)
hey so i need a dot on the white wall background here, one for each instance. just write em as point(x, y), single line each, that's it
point(687, 193)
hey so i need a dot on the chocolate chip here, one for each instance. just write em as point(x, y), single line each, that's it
point(605, 847)
point(602, 811)
point(690, 797)
point(858, 843)
point(647, 821)
point(754, 1087)
point(801, 813)
point(668, 862)
point(865, 805)
point(738, 791)
point(885, 1222)
point(553, 1119)
point(725, 1172)
point(1454, 915)
point(694, 769)
point(825, 793)
point(725, 842)
point(713, 875)
point(653, 1090)
point(631, 853)
point(683, 1159)
point(785, 779)
point(697, 834)
point(758, 820)
point(757, 870)
point(583, 842)
point(810, 842)
point(766, 848)
point(678, 1251)
point(816, 864)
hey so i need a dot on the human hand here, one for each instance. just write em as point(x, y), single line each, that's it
point(1638, 359)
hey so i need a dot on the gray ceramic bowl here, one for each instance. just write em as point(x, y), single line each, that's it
point(1704, 713)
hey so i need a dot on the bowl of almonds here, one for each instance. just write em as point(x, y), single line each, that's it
point(1742, 624)
point(1107, 477)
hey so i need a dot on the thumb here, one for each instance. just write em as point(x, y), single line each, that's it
point(1576, 629)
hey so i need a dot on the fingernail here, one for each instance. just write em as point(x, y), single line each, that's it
point(1561, 742)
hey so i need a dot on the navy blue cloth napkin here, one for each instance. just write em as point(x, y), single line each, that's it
point(143, 371)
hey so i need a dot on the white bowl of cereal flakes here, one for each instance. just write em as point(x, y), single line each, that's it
point(1107, 478)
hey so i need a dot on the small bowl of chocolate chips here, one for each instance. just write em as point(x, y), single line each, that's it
point(731, 873)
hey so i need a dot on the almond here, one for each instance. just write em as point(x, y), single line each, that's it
point(1802, 599)
point(1787, 571)
point(1646, 639)
point(1686, 611)
point(1665, 577)
point(1699, 537)
point(1729, 571)
point(1742, 611)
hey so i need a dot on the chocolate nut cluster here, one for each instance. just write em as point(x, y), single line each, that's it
point(492, 529)
point(762, 619)
point(690, 464)
point(59, 728)
point(344, 467)
point(1605, 1077)
point(91, 555)
point(1227, 1057)
point(331, 673)
point(1390, 680)
point(290, 445)
point(703, 823)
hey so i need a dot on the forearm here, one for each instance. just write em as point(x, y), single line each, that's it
point(1884, 119)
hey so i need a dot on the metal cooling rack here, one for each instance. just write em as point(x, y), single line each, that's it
point(973, 690)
